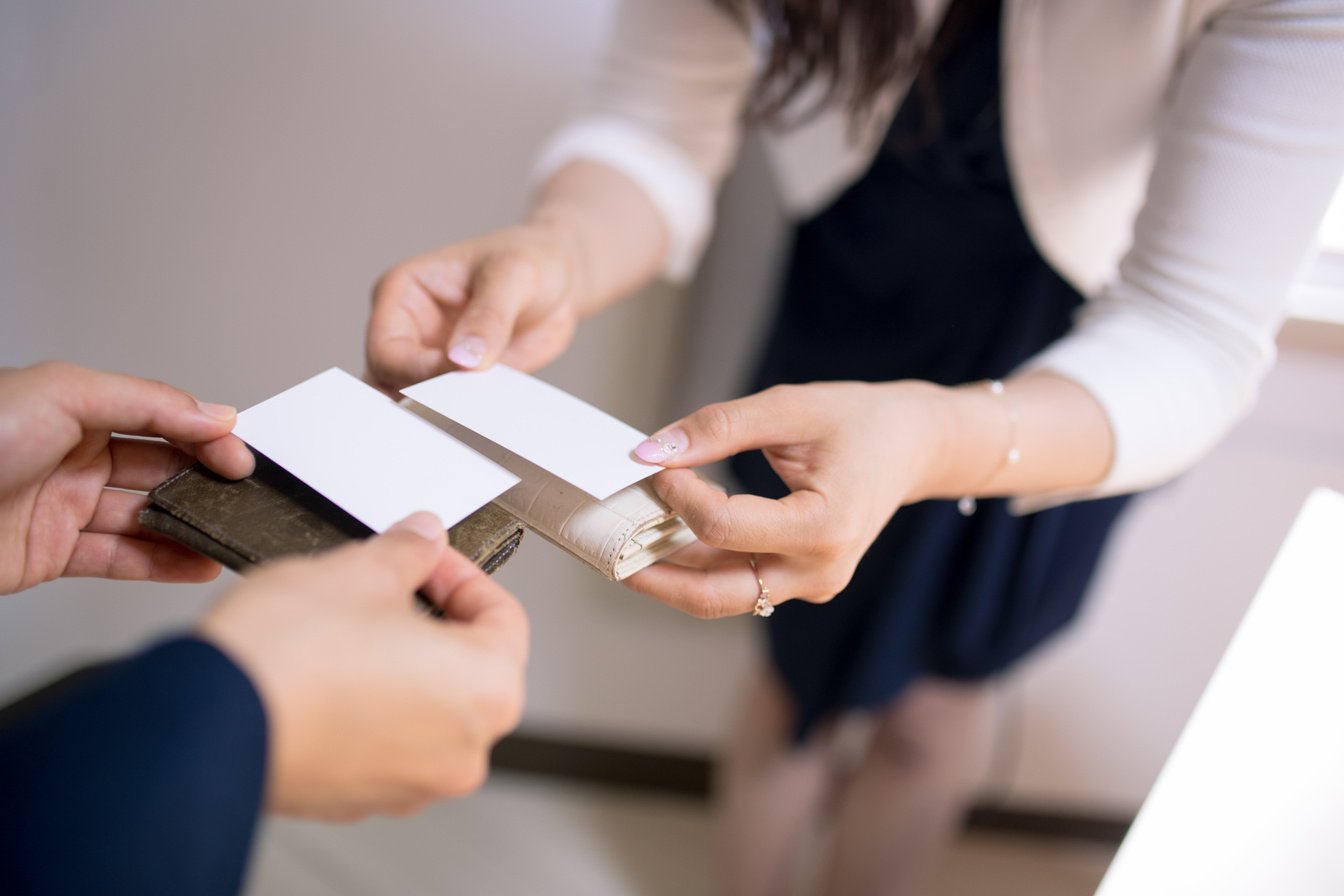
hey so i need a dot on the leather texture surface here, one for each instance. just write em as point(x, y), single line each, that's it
point(272, 514)
point(617, 537)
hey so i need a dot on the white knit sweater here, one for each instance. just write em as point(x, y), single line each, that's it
point(1172, 159)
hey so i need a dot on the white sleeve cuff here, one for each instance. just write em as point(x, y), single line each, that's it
point(1169, 394)
point(672, 183)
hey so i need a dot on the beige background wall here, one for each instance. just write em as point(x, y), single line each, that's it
point(203, 193)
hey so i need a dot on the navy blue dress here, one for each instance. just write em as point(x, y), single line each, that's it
point(923, 269)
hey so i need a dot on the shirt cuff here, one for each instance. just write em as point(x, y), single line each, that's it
point(681, 194)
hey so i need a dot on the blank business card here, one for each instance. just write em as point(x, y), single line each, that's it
point(564, 435)
point(376, 461)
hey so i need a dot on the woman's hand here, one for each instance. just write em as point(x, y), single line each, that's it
point(64, 510)
point(372, 706)
point(516, 295)
point(851, 454)
point(508, 296)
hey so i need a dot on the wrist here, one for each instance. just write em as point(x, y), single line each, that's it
point(979, 439)
point(923, 416)
point(565, 231)
point(967, 436)
point(616, 234)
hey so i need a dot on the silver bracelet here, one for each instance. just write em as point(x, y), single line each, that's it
point(966, 503)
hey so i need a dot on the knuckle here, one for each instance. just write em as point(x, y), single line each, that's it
point(717, 526)
point(707, 610)
point(784, 395)
point(671, 487)
point(500, 707)
point(836, 533)
point(832, 581)
point(466, 774)
point(826, 545)
point(394, 281)
point(59, 376)
point(703, 602)
point(53, 368)
point(169, 392)
point(511, 267)
point(834, 542)
point(718, 421)
point(486, 314)
point(718, 606)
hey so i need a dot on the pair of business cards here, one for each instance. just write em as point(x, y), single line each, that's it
point(380, 462)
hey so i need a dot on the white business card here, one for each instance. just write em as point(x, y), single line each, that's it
point(564, 435)
point(361, 451)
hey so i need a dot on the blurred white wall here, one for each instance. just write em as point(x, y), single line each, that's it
point(204, 192)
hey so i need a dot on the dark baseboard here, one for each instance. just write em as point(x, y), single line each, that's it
point(660, 772)
point(690, 775)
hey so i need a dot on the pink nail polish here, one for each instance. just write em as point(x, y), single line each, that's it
point(662, 447)
point(468, 353)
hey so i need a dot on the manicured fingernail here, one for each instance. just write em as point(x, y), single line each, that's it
point(468, 353)
point(422, 523)
point(662, 447)
point(218, 411)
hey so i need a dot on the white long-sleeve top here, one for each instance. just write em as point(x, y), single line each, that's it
point(1172, 159)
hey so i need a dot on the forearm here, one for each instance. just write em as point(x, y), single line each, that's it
point(617, 237)
point(1057, 433)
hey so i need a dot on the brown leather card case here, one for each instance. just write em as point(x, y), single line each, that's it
point(272, 514)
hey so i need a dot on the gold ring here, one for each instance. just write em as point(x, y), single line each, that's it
point(763, 606)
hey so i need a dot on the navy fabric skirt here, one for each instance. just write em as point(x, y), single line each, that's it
point(924, 269)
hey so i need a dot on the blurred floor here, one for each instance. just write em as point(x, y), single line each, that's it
point(526, 835)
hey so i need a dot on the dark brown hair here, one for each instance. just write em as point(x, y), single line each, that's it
point(856, 47)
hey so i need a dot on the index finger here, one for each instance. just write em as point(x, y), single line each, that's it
point(777, 416)
point(746, 523)
point(500, 288)
point(118, 403)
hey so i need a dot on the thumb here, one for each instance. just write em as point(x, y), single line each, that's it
point(774, 417)
point(404, 557)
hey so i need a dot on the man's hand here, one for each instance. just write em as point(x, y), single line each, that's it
point(64, 510)
point(372, 706)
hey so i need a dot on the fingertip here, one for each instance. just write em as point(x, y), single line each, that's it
point(228, 456)
point(210, 572)
point(423, 524)
point(650, 452)
point(452, 571)
point(663, 448)
point(468, 353)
